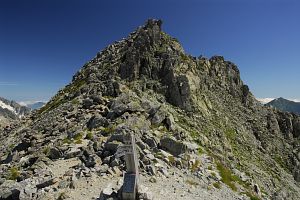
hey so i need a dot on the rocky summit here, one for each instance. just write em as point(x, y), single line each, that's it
point(200, 133)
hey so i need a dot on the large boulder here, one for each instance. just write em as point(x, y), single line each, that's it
point(96, 122)
point(173, 146)
point(9, 190)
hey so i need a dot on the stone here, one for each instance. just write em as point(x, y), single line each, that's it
point(257, 190)
point(114, 163)
point(97, 121)
point(152, 142)
point(54, 153)
point(191, 147)
point(151, 170)
point(108, 190)
point(46, 182)
point(170, 122)
point(102, 169)
point(117, 171)
point(144, 193)
point(164, 171)
point(152, 180)
point(9, 190)
point(87, 103)
point(90, 160)
point(73, 152)
point(157, 115)
point(296, 127)
point(112, 146)
point(297, 175)
point(173, 146)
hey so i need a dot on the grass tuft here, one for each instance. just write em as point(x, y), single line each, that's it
point(13, 173)
point(217, 185)
point(227, 177)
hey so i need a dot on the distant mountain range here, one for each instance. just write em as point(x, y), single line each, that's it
point(285, 105)
point(10, 110)
point(36, 105)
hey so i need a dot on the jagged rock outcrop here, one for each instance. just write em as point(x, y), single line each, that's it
point(192, 117)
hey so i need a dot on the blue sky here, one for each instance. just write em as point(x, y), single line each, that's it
point(43, 43)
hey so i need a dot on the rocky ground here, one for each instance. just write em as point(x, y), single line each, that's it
point(200, 132)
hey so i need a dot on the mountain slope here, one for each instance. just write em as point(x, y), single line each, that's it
point(285, 105)
point(194, 120)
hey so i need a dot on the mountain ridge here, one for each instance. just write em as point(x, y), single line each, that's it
point(285, 105)
point(182, 110)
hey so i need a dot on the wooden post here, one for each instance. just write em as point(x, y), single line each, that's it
point(130, 185)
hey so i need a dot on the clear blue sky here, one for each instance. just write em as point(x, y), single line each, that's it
point(43, 43)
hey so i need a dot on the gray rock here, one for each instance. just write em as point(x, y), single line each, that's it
point(173, 146)
point(87, 103)
point(90, 160)
point(96, 122)
point(144, 193)
point(54, 153)
point(296, 127)
point(157, 115)
point(297, 175)
point(46, 182)
point(73, 152)
point(9, 190)
point(152, 142)
point(170, 122)
point(151, 170)
point(102, 169)
point(112, 146)
point(114, 163)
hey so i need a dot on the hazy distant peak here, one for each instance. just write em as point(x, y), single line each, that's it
point(285, 105)
point(33, 104)
point(265, 100)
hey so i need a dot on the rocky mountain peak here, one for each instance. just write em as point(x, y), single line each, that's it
point(157, 60)
point(193, 119)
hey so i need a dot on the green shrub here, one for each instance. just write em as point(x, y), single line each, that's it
point(13, 173)
point(78, 141)
point(110, 129)
point(67, 141)
point(214, 174)
point(78, 136)
point(195, 166)
point(200, 151)
point(171, 160)
point(230, 134)
point(46, 150)
point(217, 185)
point(227, 177)
point(89, 135)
